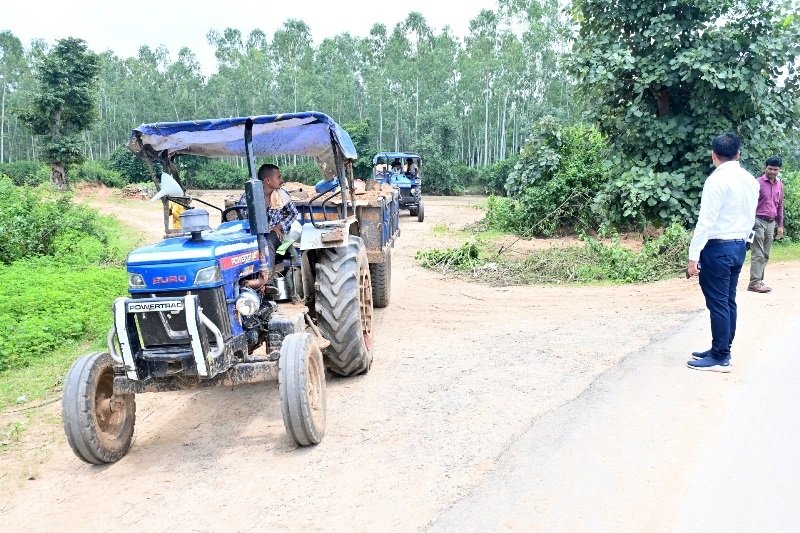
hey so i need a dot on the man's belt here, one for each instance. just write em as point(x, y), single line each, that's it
point(765, 219)
point(722, 241)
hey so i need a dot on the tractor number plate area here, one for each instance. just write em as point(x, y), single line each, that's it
point(147, 307)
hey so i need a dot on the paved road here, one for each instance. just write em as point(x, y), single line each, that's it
point(655, 446)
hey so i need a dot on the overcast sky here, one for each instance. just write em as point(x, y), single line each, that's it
point(124, 26)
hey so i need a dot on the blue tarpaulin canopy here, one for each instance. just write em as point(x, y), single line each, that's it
point(308, 133)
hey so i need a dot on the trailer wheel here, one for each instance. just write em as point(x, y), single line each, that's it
point(421, 211)
point(381, 274)
point(301, 383)
point(343, 305)
point(99, 425)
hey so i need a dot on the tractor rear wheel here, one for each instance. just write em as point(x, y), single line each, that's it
point(301, 384)
point(343, 305)
point(381, 274)
point(98, 424)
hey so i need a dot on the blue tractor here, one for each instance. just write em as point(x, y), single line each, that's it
point(403, 171)
point(200, 310)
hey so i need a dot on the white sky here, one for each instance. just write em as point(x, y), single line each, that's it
point(125, 26)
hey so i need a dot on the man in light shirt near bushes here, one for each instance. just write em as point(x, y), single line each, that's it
point(717, 250)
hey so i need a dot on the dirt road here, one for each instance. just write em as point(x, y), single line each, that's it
point(463, 376)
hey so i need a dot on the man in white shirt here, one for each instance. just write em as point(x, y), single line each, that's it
point(717, 250)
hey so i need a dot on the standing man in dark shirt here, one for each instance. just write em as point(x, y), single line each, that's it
point(769, 213)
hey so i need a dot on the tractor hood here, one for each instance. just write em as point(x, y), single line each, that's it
point(173, 264)
point(308, 133)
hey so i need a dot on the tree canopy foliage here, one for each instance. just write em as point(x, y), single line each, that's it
point(64, 105)
point(661, 79)
point(389, 79)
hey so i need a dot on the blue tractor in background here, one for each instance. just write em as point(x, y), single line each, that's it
point(403, 171)
point(200, 311)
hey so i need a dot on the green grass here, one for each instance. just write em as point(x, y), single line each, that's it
point(784, 251)
point(54, 312)
point(43, 378)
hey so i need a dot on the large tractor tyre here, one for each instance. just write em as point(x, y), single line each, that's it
point(421, 211)
point(343, 304)
point(381, 274)
point(99, 425)
point(301, 383)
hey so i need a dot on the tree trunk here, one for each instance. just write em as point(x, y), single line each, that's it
point(416, 116)
point(58, 176)
point(3, 125)
point(503, 154)
point(397, 126)
point(380, 121)
point(486, 127)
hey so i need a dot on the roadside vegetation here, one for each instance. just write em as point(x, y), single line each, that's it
point(61, 265)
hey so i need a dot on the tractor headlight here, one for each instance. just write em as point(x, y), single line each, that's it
point(248, 302)
point(207, 275)
point(135, 281)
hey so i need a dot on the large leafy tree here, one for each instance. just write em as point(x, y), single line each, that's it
point(65, 105)
point(663, 78)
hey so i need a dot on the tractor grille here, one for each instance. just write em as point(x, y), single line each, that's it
point(165, 329)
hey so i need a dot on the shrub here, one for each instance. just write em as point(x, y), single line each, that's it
point(495, 176)
point(506, 215)
point(791, 204)
point(98, 172)
point(40, 221)
point(28, 173)
point(640, 196)
point(217, 175)
point(132, 169)
point(308, 173)
point(658, 259)
point(468, 176)
point(559, 172)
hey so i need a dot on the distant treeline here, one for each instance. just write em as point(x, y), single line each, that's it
point(405, 82)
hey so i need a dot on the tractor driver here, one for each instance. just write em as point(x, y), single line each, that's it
point(397, 166)
point(281, 211)
point(412, 170)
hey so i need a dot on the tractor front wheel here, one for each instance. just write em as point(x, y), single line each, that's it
point(98, 424)
point(301, 385)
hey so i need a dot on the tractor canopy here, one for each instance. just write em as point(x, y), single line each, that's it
point(307, 133)
point(386, 158)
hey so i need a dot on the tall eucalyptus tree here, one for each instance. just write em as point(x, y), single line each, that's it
point(420, 41)
point(374, 52)
point(12, 69)
point(293, 56)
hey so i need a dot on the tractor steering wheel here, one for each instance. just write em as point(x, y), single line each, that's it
point(234, 212)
